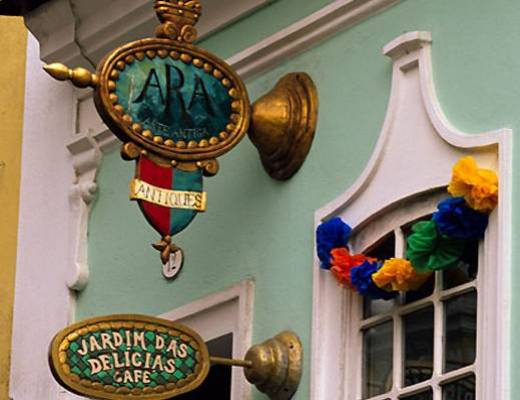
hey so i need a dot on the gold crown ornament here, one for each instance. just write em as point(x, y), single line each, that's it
point(178, 19)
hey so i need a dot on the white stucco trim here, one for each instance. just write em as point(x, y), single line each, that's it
point(80, 32)
point(81, 35)
point(228, 311)
point(305, 34)
point(416, 150)
point(43, 303)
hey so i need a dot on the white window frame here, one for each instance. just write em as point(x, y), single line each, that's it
point(392, 221)
point(416, 134)
point(219, 314)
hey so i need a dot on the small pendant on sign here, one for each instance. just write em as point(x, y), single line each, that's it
point(174, 266)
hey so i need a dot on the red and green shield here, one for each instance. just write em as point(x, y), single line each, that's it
point(168, 197)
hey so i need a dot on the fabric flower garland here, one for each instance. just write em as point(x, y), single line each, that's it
point(433, 245)
point(363, 282)
point(455, 219)
point(331, 234)
point(478, 186)
point(397, 274)
point(342, 263)
point(428, 250)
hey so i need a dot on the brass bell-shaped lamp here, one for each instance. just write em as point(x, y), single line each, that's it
point(283, 124)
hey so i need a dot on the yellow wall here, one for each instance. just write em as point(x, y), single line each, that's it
point(12, 78)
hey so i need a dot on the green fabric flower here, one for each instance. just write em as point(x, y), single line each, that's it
point(428, 250)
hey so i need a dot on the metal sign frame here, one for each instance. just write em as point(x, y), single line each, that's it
point(60, 367)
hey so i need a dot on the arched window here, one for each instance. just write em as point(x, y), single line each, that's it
point(423, 343)
point(448, 340)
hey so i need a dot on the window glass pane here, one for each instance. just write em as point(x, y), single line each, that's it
point(463, 389)
point(375, 307)
point(381, 250)
point(418, 339)
point(460, 331)
point(466, 270)
point(428, 395)
point(377, 359)
point(424, 291)
point(384, 248)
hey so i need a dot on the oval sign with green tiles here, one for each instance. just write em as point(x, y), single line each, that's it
point(129, 356)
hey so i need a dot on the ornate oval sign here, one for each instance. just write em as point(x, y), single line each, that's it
point(174, 99)
point(129, 356)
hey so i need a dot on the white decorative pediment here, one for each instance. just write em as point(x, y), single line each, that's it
point(415, 137)
point(415, 153)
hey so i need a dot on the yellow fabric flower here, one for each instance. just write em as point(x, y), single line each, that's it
point(478, 186)
point(397, 274)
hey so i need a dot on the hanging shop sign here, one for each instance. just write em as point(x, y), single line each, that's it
point(137, 357)
point(112, 357)
point(177, 108)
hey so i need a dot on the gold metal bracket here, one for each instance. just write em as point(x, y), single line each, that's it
point(283, 124)
point(274, 367)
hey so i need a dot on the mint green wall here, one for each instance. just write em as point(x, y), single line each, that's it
point(256, 227)
point(248, 31)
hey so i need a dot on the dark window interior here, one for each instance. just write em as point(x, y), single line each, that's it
point(218, 383)
point(384, 248)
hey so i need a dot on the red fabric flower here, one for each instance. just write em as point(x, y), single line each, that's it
point(342, 262)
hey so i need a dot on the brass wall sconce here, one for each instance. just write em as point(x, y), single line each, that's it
point(274, 366)
point(177, 108)
point(283, 124)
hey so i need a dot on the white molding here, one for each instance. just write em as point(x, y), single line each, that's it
point(74, 32)
point(43, 304)
point(228, 311)
point(86, 148)
point(415, 152)
point(83, 34)
point(305, 34)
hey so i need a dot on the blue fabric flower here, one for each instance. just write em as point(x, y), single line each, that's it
point(457, 220)
point(361, 279)
point(330, 235)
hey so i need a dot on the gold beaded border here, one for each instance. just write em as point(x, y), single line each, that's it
point(187, 59)
point(123, 125)
point(62, 372)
